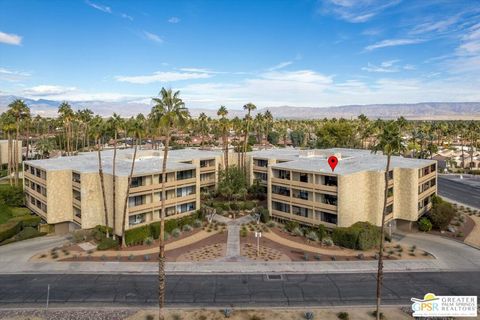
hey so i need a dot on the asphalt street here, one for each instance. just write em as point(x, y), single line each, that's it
point(30, 290)
point(462, 191)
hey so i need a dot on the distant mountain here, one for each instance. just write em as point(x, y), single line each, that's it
point(424, 110)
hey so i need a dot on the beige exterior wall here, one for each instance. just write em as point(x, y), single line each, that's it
point(4, 151)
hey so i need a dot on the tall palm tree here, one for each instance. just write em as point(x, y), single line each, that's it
point(135, 128)
point(97, 130)
point(268, 118)
point(114, 124)
point(249, 107)
point(66, 117)
point(168, 113)
point(44, 147)
point(390, 142)
point(8, 126)
point(224, 127)
point(19, 110)
point(203, 126)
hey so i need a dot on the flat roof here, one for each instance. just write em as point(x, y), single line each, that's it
point(350, 160)
point(148, 161)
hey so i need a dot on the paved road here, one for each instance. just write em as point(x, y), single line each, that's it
point(467, 192)
point(230, 290)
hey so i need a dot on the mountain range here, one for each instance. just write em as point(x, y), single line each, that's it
point(423, 110)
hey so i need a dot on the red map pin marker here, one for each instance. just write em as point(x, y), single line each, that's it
point(332, 161)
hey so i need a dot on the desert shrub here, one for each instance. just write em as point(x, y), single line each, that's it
point(312, 235)
point(271, 224)
point(197, 223)
point(136, 236)
point(424, 225)
point(248, 205)
point(176, 233)
point(374, 314)
point(297, 232)
point(148, 241)
point(234, 206)
point(107, 244)
point(441, 214)
point(309, 315)
point(255, 317)
point(9, 229)
point(327, 242)
point(149, 317)
point(343, 315)
point(291, 225)
point(187, 228)
point(243, 232)
point(359, 236)
point(322, 232)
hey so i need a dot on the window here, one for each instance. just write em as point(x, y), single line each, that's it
point(186, 174)
point(76, 177)
point(185, 191)
point(329, 199)
point(390, 209)
point(207, 163)
point(77, 212)
point(390, 192)
point(281, 190)
point(282, 174)
point(262, 176)
point(331, 181)
point(207, 177)
point(390, 175)
point(260, 163)
point(136, 182)
point(181, 208)
point(77, 195)
point(136, 201)
point(136, 219)
point(300, 211)
point(300, 194)
point(280, 206)
point(433, 168)
point(304, 177)
point(327, 217)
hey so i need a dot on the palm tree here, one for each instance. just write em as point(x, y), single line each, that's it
point(44, 147)
point(390, 142)
point(114, 124)
point(8, 126)
point(135, 127)
point(224, 127)
point(19, 110)
point(203, 126)
point(97, 130)
point(66, 116)
point(168, 113)
point(249, 107)
point(268, 118)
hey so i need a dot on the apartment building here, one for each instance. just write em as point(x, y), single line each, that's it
point(4, 146)
point(66, 192)
point(301, 186)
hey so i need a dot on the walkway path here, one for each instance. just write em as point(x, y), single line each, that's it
point(233, 239)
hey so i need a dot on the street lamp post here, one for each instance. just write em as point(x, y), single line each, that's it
point(258, 235)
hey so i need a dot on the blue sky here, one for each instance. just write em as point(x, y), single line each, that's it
point(270, 52)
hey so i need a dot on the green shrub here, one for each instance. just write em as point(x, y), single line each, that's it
point(441, 214)
point(5, 213)
point(248, 205)
point(12, 196)
point(107, 244)
point(9, 229)
point(136, 236)
point(297, 232)
point(26, 233)
point(176, 233)
point(359, 236)
point(343, 315)
point(28, 220)
point(322, 232)
point(312, 235)
point(424, 225)
point(291, 225)
point(264, 215)
point(234, 206)
point(20, 211)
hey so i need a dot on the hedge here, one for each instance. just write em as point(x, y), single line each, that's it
point(28, 220)
point(359, 236)
point(9, 229)
point(26, 233)
point(138, 235)
point(108, 243)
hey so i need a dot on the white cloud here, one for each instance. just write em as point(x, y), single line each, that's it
point(392, 43)
point(48, 90)
point(167, 76)
point(100, 7)
point(126, 16)
point(174, 20)
point(386, 66)
point(10, 38)
point(13, 75)
point(356, 11)
point(152, 37)
point(281, 65)
point(436, 26)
